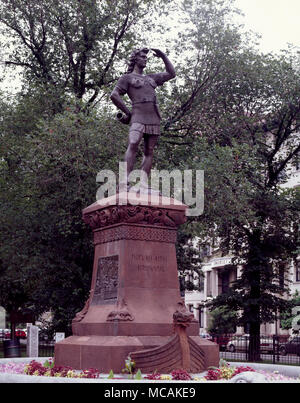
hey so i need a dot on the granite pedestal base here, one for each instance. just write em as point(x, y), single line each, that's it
point(135, 288)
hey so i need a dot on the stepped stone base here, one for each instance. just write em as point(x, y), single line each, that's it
point(109, 352)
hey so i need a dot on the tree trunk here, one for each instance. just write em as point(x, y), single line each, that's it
point(254, 341)
point(13, 330)
point(254, 277)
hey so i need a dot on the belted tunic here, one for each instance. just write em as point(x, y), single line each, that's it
point(141, 91)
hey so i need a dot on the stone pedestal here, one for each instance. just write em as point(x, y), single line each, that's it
point(135, 288)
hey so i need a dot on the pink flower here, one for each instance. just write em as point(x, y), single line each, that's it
point(12, 368)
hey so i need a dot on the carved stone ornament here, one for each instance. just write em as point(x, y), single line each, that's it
point(129, 231)
point(150, 215)
point(81, 314)
point(106, 284)
point(182, 316)
point(181, 350)
point(121, 313)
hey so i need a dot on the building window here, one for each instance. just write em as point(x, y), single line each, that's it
point(223, 282)
point(208, 284)
point(200, 282)
point(201, 314)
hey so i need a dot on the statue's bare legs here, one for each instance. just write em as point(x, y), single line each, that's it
point(135, 138)
point(149, 145)
point(150, 141)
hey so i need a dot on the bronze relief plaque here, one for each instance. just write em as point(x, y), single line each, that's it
point(106, 287)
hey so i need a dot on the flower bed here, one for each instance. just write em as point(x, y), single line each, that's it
point(13, 368)
point(50, 369)
point(225, 372)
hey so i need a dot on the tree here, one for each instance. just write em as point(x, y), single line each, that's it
point(47, 179)
point(288, 317)
point(233, 112)
point(222, 321)
point(189, 262)
point(265, 234)
point(73, 47)
point(237, 113)
point(54, 141)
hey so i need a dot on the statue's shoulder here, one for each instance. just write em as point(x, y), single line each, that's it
point(123, 83)
point(159, 78)
point(125, 77)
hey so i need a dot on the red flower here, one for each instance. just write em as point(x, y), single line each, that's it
point(180, 375)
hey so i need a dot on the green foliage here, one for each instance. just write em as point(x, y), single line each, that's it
point(138, 375)
point(74, 47)
point(47, 180)
point(188, 260)
point(232, 112)
point(111, 374)
point(235, 114)
point(53, 144)
point(222, 321)
point(48, 364)
point(286, 317)
point(129, 367)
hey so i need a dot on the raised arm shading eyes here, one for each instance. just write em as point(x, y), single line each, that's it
point(168, 65)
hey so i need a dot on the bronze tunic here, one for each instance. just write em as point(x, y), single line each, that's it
point(141, 91)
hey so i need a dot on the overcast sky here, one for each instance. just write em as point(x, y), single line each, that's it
point(278, 21)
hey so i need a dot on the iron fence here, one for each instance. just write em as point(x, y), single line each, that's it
point(272, 349)
point(46, 348)
point(4, 334)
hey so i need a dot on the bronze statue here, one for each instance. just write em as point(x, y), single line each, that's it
point(144, 118)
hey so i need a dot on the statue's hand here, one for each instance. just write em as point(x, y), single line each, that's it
point(123, 118)
point(158, 53)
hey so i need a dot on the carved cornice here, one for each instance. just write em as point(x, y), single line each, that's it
point(147, 215)
point(136, 232)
